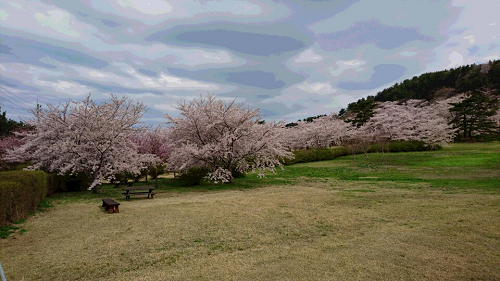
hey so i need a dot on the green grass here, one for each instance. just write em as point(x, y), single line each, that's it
point(460, 167)
point(7, 230)
point(408, 216)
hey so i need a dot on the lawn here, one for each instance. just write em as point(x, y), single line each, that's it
point(412, 216)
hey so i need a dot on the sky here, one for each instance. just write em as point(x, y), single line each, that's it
point(292, 59)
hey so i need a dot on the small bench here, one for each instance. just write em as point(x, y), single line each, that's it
point(111, 205)
point(138, 191)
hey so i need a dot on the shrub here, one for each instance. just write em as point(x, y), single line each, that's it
point(316, 154)
point(155, 171)
point(9, 206)
point(193, 176)
point(403, 146)
point(67, 182)
point(20, 194)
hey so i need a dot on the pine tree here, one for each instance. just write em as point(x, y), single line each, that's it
point(472, 115)
point(363, 110)
point(7, 126)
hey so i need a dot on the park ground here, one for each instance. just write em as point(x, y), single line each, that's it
point(401, 216)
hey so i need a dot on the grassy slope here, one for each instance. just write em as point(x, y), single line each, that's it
point(425, 215)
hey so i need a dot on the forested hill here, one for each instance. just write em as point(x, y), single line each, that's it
point(445, 83)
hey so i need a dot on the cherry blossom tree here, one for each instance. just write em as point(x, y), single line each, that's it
point(322, 132)
point(412, 120)
point(7, 143)
point(84, 137)
point(154, 141)
point(224, 137)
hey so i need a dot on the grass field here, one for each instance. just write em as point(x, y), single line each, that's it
point(404, 216)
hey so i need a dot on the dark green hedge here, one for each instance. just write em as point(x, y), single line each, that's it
point(20, 194)
point(193, 176)
point(402, 146)
point(321, 154)
point(67, 182)
point(316, 154)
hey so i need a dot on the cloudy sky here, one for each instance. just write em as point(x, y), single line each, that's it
point(291, 59)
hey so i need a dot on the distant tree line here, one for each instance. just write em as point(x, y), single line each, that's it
point(429, 86)
point(8, 126)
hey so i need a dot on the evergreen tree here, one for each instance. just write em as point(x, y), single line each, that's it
point(362, 110)
point(8, 125)
point(472, 115)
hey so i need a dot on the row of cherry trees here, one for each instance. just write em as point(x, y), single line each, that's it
point(410, 120)
point(102, 140)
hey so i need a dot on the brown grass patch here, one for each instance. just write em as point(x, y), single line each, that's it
point(315, 231)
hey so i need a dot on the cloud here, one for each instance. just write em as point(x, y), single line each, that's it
point(242, 42)
point(408, 53)
point(4, 15)
point(308, 56)
point(470, 38)
point(151, 7)
point(29, 51)
point(495, 57)
point(384, 74)
point(153, 12)
point(40, 19)
point(67, 87)
point(260, 79)
point(404, 15)
point(456, 59)
point(317, 88)
point(58, 20)
point(342, 66)
point(369, 32)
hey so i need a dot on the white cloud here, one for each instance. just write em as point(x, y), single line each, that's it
point(66, 87)
point(308, 56)
point(58, 20)
point(470, 38)
point(456, 59)
point(152, 12)
point(317, 88)
point(494, 57)
point(4, 15)
point(98, 74)
point(408, 53)
point(169, 81)
point(41, 20)
point(148, 7)
point(16, 5)
point(165, 106)
point(343, 65)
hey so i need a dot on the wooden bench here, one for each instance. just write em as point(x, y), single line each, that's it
point(138, 191)
point(111, 205)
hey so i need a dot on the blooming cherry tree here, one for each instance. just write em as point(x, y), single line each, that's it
point(224, 137)
point(412, 120)
point(322, 132)
point(153, 141)
point(84, 137)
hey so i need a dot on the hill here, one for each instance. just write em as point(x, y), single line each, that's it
point(445, 83)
